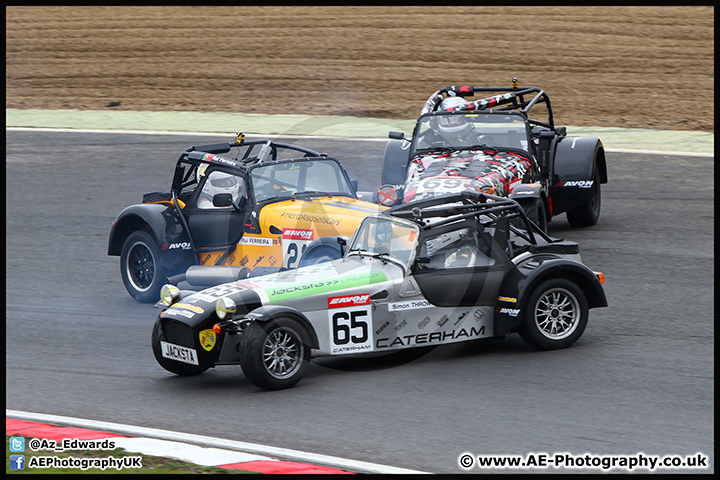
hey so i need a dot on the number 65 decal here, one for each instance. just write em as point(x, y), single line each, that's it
point(350, 324)
point(342, 332)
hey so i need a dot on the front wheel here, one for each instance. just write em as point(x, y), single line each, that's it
point(556, 314)
point(274, 354)
point(535, 211)
point(141, 269)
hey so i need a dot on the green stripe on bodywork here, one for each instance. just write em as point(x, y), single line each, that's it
point(323, 286)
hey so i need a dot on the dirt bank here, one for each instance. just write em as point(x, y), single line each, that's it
point(648, 67)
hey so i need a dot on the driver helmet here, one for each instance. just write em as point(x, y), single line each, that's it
point(221, 182)
point(454, 124)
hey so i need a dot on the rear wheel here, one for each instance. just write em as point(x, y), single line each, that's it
point(587, 214)
point(555, 315)
point(274, 354)
point(140, 267)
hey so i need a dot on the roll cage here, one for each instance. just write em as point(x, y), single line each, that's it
point(490, 211)
point(209, 154)
point(250, 154)
point(520, 99)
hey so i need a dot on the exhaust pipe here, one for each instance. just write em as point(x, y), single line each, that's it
point(175, 279)
point(204, 275)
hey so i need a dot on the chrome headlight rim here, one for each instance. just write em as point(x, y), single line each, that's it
point(225, 308)
point(169, 295)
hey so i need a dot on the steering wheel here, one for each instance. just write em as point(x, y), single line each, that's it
point(487, 140)
point(463, 257)
point(269, 190)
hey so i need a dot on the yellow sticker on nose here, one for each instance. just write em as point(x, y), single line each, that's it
point(207, 339)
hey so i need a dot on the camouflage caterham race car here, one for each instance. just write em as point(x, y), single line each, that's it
point(494, 145)
point(431, 272)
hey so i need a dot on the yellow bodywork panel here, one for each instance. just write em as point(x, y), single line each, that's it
point(301, 222)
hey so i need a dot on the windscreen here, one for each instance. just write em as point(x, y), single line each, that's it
point(297, 177)
point(457, 130)
point(381, 235)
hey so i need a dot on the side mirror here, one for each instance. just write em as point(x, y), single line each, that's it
point(222, 200)
point(354, 185)
point(343, 243)
point(226, 200)
point(397, 135)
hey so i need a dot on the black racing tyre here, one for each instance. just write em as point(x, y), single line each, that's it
point(141, 269)
point(535, 211)
point(172, 366)
point(555, 315)
point(395, 161)
point(319, 254)
point(274, 354)
point(587, 214)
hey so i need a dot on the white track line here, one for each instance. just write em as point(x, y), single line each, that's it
point(196, 134)
point(309, 137)
point(282, 453)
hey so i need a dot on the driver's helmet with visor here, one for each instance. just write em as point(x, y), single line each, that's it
point(455, 125)
point(220, 182)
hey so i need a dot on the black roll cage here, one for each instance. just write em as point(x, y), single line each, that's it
point(209, 154)
point(196, 155)
point(457, 207)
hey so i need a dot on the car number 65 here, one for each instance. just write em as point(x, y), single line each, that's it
point(350, 330)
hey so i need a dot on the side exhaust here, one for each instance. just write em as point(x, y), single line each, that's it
point(203, 275)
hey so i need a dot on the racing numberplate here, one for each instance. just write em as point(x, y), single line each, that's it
point(178, 353)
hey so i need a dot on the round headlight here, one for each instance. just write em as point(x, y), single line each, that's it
point(388, 195)
point(169, 294)
point(225, 308)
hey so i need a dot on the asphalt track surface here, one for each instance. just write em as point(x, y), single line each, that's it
point(640, 380)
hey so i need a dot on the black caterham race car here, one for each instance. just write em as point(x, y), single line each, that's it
point(492, 145)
